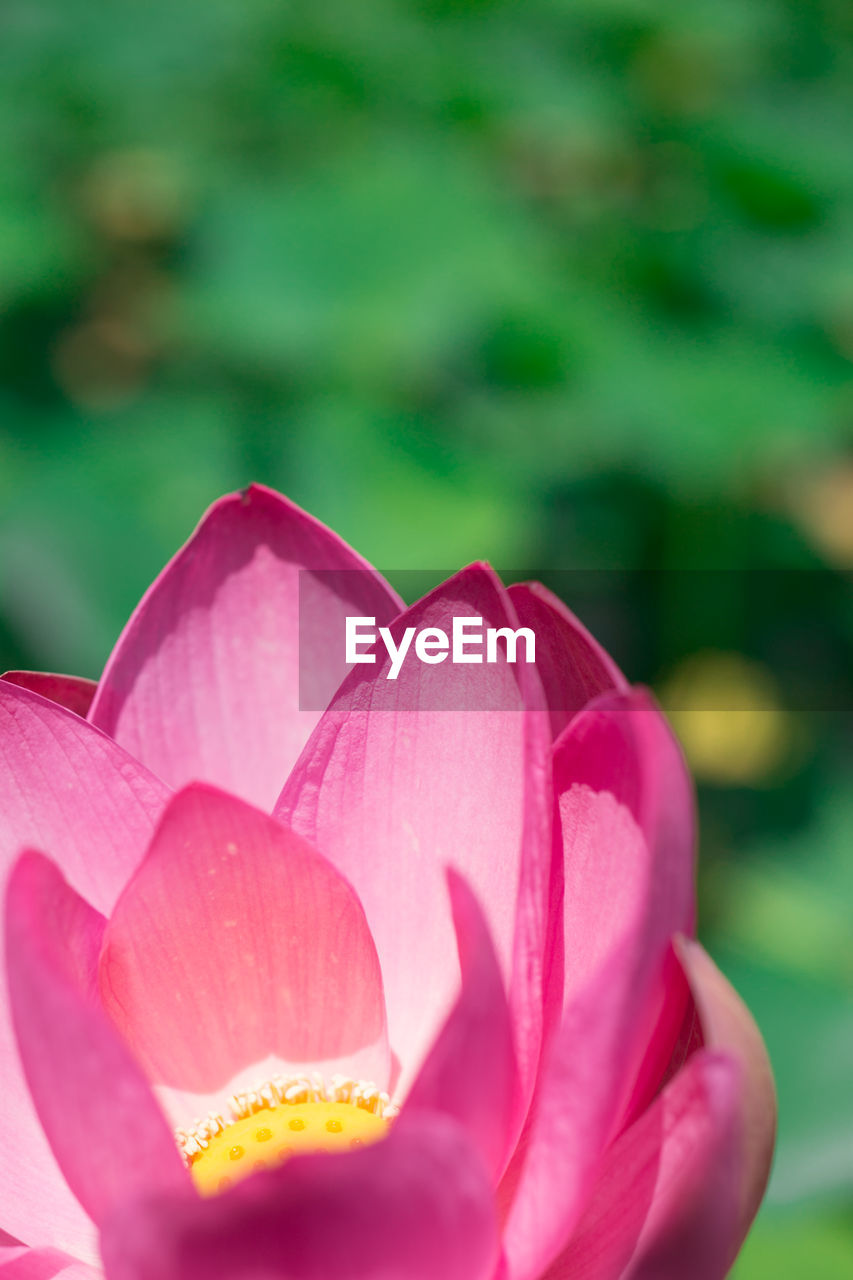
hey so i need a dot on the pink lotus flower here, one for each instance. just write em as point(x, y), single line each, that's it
point(478, 917)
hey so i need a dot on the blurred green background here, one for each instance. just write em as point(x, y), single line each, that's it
point(561, 284)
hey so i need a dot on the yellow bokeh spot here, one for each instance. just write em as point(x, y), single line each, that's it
point(823, 504)
point(271, 1136)
point(727, 712)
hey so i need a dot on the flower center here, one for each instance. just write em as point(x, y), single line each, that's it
point(280, 1119)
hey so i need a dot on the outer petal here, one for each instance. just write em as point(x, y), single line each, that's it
point(572, 665)
point(107, 1133)
point(470, 1070)
point(674, 1168)
point(235, 941)
point(73, 692)
point(417, 1205)
point(676, 1193)
point(67, 788)
point(727, 1025)
point(627, 828)
point(45, 1264)
point(442, 766)
point(204, 680)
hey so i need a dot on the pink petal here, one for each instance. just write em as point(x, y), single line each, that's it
point(45, 1264)
point(677, 1192)
point(73, 692)
point(728, 1026)
point(417, 1205)
point(235, 941)
point(627, 819)
point(668, 1181)
point(67, 788)
point(572, 665)
point(627, 827)
point(470, 1070)
point(107, 1133)
point(204, 680)
point(10, 1250)
point(442, 766)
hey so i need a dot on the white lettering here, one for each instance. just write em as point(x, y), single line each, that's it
point(431, 645)
point(460, 639)
point(354, 639)
point(512, 638)
point(396, 653)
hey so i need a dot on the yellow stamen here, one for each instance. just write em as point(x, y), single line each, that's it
point(279, 1119)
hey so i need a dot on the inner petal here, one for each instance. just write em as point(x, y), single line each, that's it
point(235, 942)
